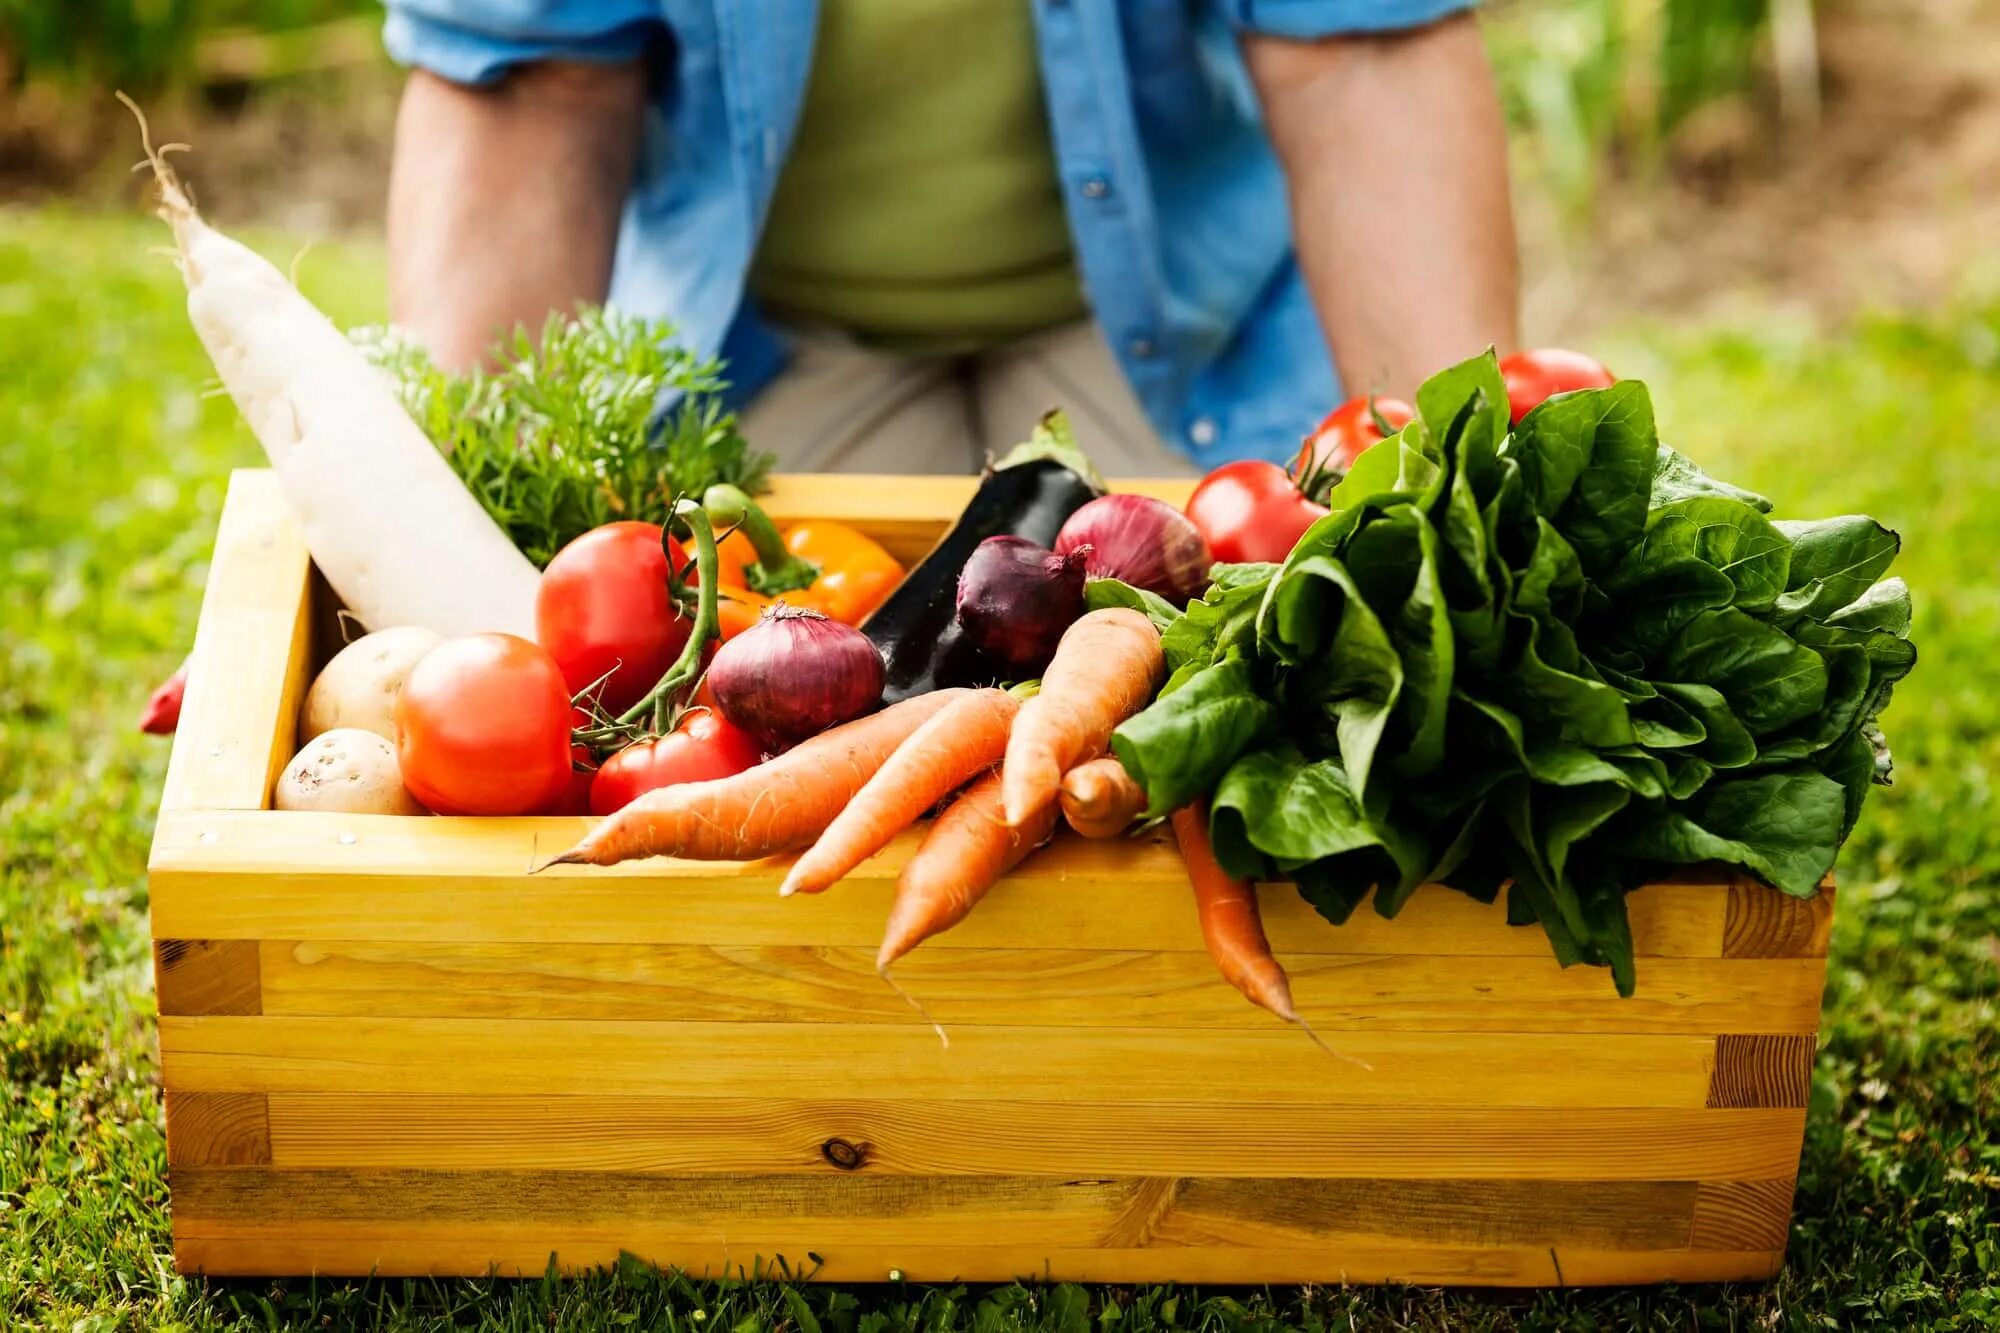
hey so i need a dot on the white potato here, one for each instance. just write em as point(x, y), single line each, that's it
point(360, 686)
point(348, 771)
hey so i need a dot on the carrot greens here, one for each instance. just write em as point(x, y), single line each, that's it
point(603, 417)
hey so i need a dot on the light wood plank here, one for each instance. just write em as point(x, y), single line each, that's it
point(358, 1250)
point(1020, 987)
point(836, 1060)
point(218, 1129)
point(298, 876)
point(252, 650)
point(207, 977)
point(908, 514)
point(1763, 923)
point(967, 1211)
point(770, 1135)
point(1762, 1070)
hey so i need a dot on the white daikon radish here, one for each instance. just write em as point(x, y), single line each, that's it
point(386, 519)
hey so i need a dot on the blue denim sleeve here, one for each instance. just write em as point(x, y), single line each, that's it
point(475, 41)
point(1326, 18)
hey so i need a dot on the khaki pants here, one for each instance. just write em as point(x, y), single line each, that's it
point(842, 407)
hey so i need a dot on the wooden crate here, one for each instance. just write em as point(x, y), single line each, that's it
point(386, 1048)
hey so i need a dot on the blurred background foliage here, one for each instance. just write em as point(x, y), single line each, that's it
point(148, 47)
point(1597, 84)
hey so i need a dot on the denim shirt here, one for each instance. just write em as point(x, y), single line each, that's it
point(1175, 199)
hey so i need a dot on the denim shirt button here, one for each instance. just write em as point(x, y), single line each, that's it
point(1201, 432)
point(1142, 348)
point(1096, 187)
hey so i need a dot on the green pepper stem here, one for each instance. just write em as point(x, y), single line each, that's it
point(663, 697)
point(777, 570)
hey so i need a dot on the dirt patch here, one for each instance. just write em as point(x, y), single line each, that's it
point(1892, 199)
point(312, 156)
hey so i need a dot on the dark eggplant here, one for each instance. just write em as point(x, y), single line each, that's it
point(1030, 493)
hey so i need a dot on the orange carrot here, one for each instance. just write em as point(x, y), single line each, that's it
point(779, 805)
point(1230, 923)
point(967, 849)
point(958, 743)
point(1100, 799)
point(1107, 666)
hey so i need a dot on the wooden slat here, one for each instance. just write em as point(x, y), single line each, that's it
point(1762, 1070)
point(1763, 923)
point(251, 655)
point(298, 876)
point(907, 514)
point(1020, 987)
point(218, 1129)
point(770, 1135)
point(207, 976)
point(417, 1250)
point(838, 1060)
point(1743, 1214)
point(967, 1210)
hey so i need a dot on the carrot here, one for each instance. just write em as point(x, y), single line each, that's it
point(1230, 923)
point(780, 804)
point(1233, 928)
point(1100, 799)
point(967, 849)
point(1107, 666)
point(958, 743)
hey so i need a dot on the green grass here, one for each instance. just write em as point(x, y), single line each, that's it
point(112, 465)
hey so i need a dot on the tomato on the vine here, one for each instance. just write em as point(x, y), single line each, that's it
point(604, 606)
point(1543, 372)
point(482, 728)
point(1251, 510)
point(1349, 429)
point(702, 747)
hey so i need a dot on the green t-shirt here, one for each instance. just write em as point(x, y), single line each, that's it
point(920, 208)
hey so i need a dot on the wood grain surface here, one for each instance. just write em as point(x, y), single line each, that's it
point(526, 1249)
point(1211, 1136)
point(251, 657)
point(1015, 987)
point(302, 876)
point(1277, 1064)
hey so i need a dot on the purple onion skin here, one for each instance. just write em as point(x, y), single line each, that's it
point(1141, 541)
point(1015, 599)
point(794, 674)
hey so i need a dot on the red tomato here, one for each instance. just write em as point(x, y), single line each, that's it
point(1349, 429)
point(575, 799)
point(603, 606)
point(1546, 371)
point(483, 728)
point(1251, 510)
point(702, 747)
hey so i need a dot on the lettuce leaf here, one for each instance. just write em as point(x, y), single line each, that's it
point(1559, 657)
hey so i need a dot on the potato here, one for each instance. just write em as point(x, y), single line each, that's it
point(358, 688)
point(347, 770)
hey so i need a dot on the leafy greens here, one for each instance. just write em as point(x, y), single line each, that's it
point(1560, 657)
point(601, 418)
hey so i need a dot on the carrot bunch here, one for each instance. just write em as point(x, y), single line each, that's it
point(1000, 767)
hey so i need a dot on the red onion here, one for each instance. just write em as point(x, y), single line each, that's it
point(794, 674)
point(1015, 599)
point(1141, 541)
